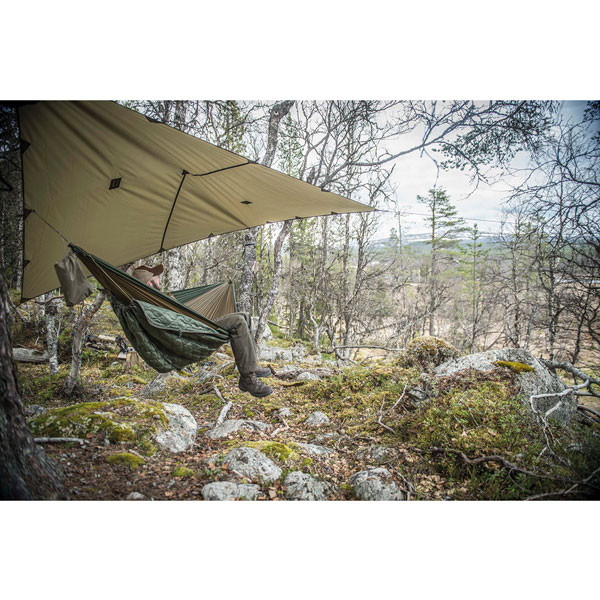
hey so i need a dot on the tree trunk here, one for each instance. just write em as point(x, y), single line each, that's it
point(291, 299)
point(244, 300)
point(272, 295)
point(278, 112)
point(52, 330)
point(26, 473)
point(173, 263)
point(79, 332)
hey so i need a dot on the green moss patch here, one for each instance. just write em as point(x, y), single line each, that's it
point(353, 397)
point(183, 472)
point(275, 450)
point(125, 458)
point(515, 367)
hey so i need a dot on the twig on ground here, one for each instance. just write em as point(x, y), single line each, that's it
point(57, 440)
point(219, 395)
point(280, 429)
point(333, 348)
point(144, 458)
point(381, 416)
point(387, 412)
point(223, 413)
point(410, 487)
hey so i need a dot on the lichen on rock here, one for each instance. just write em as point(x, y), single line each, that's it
point(516, 367)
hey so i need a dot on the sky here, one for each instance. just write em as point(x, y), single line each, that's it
point(415, 175)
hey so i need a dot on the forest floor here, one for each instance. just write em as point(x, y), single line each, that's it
point(373, 422)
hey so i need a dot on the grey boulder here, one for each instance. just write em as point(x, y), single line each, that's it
point(317, 418)
point(273, 353)
point(252, 464)
point(314, 449)
point(180, 433)
point(308, 376)
point(377, 454)
point(539, 382)
point(228, 490)
point(375, 484)
point(302, 486)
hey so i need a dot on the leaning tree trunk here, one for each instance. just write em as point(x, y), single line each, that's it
point(26, 473)
point(244, 301)
point(79, 332)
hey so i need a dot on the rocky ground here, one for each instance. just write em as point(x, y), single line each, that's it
point(424, 424)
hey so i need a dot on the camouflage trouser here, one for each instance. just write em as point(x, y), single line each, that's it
point(242, 342)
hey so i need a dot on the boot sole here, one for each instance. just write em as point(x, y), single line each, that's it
point(258, 395)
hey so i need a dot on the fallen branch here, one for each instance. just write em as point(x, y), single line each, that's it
point(588, 409)
point(334, 348)
point(507, 464)
point(30, 356)
point(571, 490)
point(588, 380)
point(57, 440)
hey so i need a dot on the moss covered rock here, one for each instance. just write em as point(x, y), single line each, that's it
point(531, 377)
point(426, 352)
point(275, 450)
point(122, 420)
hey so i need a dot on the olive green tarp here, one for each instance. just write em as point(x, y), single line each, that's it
point(125, 187)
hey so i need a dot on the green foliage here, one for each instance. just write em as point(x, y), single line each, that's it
point(513, 126)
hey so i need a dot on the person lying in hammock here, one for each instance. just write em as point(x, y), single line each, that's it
point(242, 341)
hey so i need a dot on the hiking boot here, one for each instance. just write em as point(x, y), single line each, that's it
point(266, 372)
point(249, 383)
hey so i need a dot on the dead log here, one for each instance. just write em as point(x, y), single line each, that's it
point(29, 355)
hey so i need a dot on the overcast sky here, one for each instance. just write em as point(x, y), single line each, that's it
point(415, 175)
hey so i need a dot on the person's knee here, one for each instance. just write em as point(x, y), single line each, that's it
point(239, 326)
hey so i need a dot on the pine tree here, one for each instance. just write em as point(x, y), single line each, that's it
point(445, 228)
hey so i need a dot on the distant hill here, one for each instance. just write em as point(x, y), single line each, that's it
point(419, 242)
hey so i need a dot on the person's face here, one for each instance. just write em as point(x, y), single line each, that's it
point(155, 282)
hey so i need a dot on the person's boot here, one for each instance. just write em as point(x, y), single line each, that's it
point(266, 372)
point(249, 383)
